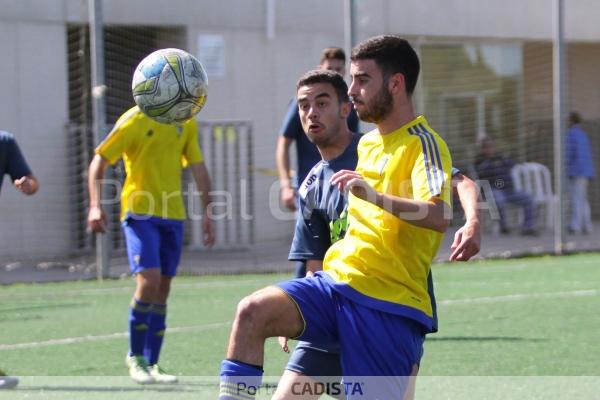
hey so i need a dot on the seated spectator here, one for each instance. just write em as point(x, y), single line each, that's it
point(494, 168)
point(580, 168)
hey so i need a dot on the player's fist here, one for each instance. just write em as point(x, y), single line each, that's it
point(283, 343)
point(208, 229)
point(97, 220)
point(26, 185)
point(288, 198)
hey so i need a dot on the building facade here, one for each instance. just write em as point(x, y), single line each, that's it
point(487, 70)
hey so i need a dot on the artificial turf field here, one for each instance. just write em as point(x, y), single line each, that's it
point(521, 328)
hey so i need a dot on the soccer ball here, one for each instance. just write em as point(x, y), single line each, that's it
point(170, 86)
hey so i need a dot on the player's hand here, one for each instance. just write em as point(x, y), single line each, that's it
point(97, 220)
point(467, 242)
point(355, 183)
point(283, 342)
point(288, 198)
point(26, 185)
point(208, 228)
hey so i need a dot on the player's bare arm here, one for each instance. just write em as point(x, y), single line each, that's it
point(96, 216)
point(467, 240)
point(202, 179)
point(433, 214)
point(282, 156)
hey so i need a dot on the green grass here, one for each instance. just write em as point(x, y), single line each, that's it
point(530, 317)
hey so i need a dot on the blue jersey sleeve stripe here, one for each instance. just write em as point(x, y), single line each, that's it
point(413, 131)
point(437, 169)
point(438, 159)
point(431, 148)
point(437, 153)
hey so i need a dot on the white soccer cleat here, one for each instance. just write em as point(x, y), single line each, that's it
point(160, 376)
point(139, 370)
point(8, 382)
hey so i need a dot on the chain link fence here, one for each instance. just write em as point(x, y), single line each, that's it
point(476, 82)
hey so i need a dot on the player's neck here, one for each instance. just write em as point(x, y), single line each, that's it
point(337, 147)
point(402, 113)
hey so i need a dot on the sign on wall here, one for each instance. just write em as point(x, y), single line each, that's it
point(211, 53)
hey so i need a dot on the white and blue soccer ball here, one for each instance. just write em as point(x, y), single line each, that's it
point(170, 86)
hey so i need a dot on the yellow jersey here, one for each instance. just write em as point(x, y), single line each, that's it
point(154, 155)
point(383, 261)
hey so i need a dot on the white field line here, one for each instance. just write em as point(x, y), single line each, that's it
point(517, 297)
point(474, 300)
point(110, 336)
point(130, 288)
point(511, 267)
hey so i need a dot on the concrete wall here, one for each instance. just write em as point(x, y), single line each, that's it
point(259, 79)
point(33, 99)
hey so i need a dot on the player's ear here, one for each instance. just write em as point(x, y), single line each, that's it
point(345, 108)
point(397, 83)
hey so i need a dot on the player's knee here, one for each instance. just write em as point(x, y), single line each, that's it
point(249, 313)
point(148, 287)
point(163, 291)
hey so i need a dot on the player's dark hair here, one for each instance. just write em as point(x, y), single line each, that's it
point(574, 117)
point(326, 76)
point(393, 55)
point(332, 53)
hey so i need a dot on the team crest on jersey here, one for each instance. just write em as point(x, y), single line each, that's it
point(150, 132)
point(179, 130)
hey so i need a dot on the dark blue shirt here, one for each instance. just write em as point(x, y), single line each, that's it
point(496, 170)
point(321, 218)
point(307, 153)
point(12, 161)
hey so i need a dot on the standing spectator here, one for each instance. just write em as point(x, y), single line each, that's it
point(13, 164)
point(580, 168)
point(307, 155)
point(495, 168)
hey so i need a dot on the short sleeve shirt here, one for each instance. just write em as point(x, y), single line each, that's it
point(12, 162)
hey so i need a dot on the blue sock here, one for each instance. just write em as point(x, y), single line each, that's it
point(155, 333)
point(239, 380)
point(138, 326)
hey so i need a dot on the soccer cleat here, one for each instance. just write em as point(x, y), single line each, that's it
point(8, 382)
point(138, 369)
point(160, 376)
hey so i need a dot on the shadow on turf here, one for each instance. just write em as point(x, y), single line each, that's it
point(90, 389)
point(484, 339)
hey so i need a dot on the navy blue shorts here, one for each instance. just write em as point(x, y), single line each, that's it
point(153, 242)
point(316, 361)
point(382, 346)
